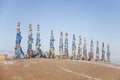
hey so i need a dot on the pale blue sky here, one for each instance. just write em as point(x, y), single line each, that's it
point(93, 19)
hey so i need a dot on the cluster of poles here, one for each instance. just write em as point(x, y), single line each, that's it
point(82, 53)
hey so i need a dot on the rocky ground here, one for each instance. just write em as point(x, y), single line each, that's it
point(57, 69)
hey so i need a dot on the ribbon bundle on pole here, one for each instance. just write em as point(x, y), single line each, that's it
point(52, 45)
point(38, 50)
point(80, 47)
point(103, 52)
point(74, 48)
point(18, 48)
point(108, 53)
point(85, 50)
point(30, 41)
point(61, 44)
point(97, 51)
point(66, 46)
point(91, 53)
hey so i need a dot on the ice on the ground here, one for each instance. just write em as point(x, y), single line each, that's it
point(17, 78)
point(79, 74)
point(7, 62)
point(26, 65)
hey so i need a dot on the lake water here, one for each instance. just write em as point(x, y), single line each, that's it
point(115, 60)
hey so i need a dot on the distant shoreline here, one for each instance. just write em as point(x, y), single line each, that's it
point(10, 54)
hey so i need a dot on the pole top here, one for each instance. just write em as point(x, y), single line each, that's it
point(66, 34)
point(51, 32)
point(61, 33)
point(38, 25)
point(30, 25)
point(18, 23)
point(103, 44)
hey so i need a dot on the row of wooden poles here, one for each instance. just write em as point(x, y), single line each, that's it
point(82, 53)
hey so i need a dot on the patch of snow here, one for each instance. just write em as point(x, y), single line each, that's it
point(7, 62)
point(17, 78)
point(33, 62)
point(102, 64)
point(111, 66)
point(78, 74)
point(26, 65)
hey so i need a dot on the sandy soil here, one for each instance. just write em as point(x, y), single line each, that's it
point(56, 69)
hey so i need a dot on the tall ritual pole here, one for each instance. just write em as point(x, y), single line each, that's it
point(97, 51)
point(91, 53)
point(52, 53)
point(30, 41)
point(66, 46)
point(61, 45)
point(85, 50)
point(103, 52)
point(74, 48)
point(108, 53)
point(38, 44)
point(80, 47)
point(18, 48)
